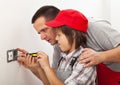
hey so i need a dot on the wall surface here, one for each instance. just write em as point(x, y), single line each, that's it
point(115, 14)
point(16, 30)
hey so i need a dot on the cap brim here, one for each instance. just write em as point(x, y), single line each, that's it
point(54, 23)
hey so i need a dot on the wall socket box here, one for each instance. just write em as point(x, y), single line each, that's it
point(12, 55)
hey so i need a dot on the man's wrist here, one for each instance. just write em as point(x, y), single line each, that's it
point(102, 57)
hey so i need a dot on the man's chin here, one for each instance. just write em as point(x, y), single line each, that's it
point(53, 43)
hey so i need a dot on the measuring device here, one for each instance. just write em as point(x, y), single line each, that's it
point(33, 54)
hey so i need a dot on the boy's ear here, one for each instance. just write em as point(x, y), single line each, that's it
point(74, 34)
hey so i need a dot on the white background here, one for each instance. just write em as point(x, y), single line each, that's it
point(16, 30)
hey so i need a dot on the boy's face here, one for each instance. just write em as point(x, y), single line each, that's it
point(46, 33)
point(62, 41)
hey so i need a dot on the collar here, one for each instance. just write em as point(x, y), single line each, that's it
point(74, 53)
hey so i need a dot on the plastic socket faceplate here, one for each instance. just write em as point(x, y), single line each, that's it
point(12, 55)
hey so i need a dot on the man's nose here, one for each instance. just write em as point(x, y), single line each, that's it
point(43, 36)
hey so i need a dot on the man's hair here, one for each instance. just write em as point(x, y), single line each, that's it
point(49, 12)
point(71, 34)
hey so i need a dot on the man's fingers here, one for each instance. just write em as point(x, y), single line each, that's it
point(33, 60)
point(22, 50)
point(85, 49)
point(22, 55)
point(88, 64)
point(84, 56)
point(85, 60)
point(21, 59)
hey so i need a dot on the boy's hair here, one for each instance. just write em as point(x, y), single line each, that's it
point(48, 11)
point(71, 34)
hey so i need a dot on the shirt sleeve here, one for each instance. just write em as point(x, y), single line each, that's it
point(82, 76)
point(103, 35)
point(56, 57)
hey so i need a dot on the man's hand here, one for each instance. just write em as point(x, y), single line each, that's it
point(27, 60)
point(90, 57)
point(22, 56)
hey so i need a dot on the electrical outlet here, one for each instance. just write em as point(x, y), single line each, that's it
point(12, 55)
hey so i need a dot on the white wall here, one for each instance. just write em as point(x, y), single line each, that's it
point(115, 13)
point(16, 31)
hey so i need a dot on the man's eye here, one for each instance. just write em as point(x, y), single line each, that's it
point(44, 30)
point(38, 32)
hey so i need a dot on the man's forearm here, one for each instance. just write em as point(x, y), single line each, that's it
point(112, 55)
point(36, 74)
point(91, 57)
point(41, 75)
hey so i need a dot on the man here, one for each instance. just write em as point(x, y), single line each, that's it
point(101, 38)
point(44, 14)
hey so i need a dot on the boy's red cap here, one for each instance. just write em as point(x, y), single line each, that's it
point(70, 18)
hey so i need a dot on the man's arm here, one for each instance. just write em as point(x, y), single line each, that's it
point(31, 63)
point(103, 38)
point(91, 57)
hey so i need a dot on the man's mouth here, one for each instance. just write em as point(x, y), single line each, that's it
point(49, 40)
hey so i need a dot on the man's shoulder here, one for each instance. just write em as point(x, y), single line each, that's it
point(56, 48)
point(92, 20)
point(97, 25)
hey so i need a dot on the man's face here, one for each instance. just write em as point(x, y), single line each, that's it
point(46, 33)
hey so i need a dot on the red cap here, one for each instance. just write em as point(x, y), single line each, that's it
point(70, 18)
